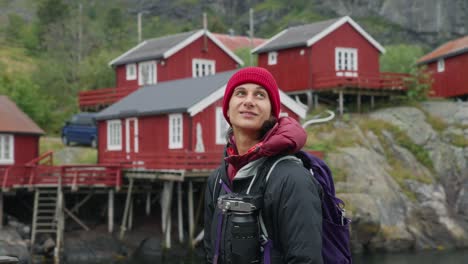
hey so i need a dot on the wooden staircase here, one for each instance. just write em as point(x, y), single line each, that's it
point(48, 216)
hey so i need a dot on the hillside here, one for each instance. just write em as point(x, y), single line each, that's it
point(403, 174)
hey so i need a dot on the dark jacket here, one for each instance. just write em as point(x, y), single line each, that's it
point(292, 211)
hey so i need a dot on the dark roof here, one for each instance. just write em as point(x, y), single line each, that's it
point(296, 36)
point(449, 49)
point(152, 48)
point(13, 120)
point(166, 97)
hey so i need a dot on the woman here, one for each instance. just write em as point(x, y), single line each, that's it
point(290, 213)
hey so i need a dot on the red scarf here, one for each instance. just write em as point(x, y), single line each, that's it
point(286, 137)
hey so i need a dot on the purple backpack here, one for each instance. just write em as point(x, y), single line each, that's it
point(335, 226)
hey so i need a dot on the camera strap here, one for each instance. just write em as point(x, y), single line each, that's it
point(219, 227)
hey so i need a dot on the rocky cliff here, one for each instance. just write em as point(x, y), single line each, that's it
point(403, 172)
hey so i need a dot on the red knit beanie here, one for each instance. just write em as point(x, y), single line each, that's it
point(258, 76)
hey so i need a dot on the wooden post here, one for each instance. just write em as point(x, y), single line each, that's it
point(190, 212)
point(341, 103)
point(167, 199)
point(110, 211)
point(359, 102)
point(316, 101)
point(148, 203)
point(310, 100)
point(372, 102)
point(127, 205)
point(1, 210)
point(130, 217)
point(180, 213)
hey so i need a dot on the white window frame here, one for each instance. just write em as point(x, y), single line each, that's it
point(130, 70)
point(176, 131)
point(147, 65)
point(4, 159)
point(272, 58)
point(222, 127)
point(114, 135)
point(346, 62)
point(202, 67)
point(440, 65)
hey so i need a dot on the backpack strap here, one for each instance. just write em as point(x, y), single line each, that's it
point(267, 242)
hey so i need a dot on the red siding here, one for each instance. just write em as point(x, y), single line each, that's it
point(26, 148)
point(179, 65)
point(293, 71)
point(453, 81)
point(121, 77)
point(207, 119)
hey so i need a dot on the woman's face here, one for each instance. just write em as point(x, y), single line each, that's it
point(249, 107)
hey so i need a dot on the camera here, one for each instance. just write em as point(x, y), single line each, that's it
point(242, 212)
point(241, 203)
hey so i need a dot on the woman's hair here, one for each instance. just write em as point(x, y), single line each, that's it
point(267, 125)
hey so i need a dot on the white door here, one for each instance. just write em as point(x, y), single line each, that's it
point(131, 136)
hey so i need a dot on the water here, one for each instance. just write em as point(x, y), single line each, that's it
point(430, 257)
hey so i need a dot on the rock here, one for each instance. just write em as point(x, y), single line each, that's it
point(11, 244)
point(150, 249)
point(410, 120)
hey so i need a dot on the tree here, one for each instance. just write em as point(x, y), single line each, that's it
point(50, 12)
point(400, 58)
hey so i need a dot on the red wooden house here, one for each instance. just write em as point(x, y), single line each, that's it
point(332, 55)
point(176, 125)
point(448, 66)
point(19, 135)
point(189, 54)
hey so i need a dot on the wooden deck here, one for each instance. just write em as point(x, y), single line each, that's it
point(97, 99)
point(384, 81)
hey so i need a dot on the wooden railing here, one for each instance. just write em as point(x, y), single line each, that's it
point(384, 80)
point(102, 97)
point(180, 160)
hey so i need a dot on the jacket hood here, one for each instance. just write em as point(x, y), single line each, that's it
point(286, 137)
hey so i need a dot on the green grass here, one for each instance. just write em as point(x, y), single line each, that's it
point(80, 155)
point(458, 140)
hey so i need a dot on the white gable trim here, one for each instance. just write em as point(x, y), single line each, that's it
point(339, 23)
point(218, 94)
point(126, 53)
point(224, 48)
point(292, 105)
point(182, 44)
point(268, 41)
point(207, 101)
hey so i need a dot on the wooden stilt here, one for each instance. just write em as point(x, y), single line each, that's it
point(76, 219)
point(190, 212)
point(310, 99)
point(341, 103)
point(180, 213)
point(130, 217)
point(316, 101)
point(372, 102)
point(127, 205)
point(359, 103)
point(1, 210)
point(110, 211)
point(166, 205)
point(148, 203)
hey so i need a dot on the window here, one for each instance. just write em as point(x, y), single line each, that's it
point(131, 71)
point(222, 127)
point(202, 67)
point(346, 63)
point(440, 65)
point(6, 149)
point(114, 135)
point(272, 58)
point(175, 131)
point(147, 73)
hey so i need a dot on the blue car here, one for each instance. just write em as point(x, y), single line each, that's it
point(81, 129)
